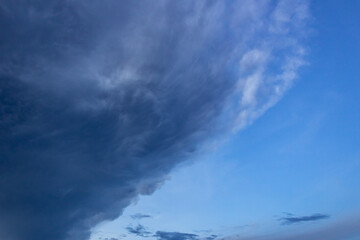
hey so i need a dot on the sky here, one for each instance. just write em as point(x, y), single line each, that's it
point(179, 120)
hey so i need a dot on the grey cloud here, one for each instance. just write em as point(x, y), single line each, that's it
point(292, 219)
point(101, 99)
point(162, 235)
point(140, 216)
point(175, 236)
point(212, 237)
point(139, 230)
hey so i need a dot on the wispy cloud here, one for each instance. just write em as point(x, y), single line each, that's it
point(161, 235)
point(139, 216)
point(141, 231)
point(347, 228)
point(138, 230)
point(292, 219)
point(175, 236)
point(261, 87)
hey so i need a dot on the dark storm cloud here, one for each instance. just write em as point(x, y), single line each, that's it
point(292, 219)
point(99, 100)
point(139, 216)
point(139, 230)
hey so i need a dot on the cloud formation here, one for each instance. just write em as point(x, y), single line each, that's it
point(139, 216)
point(161, 235)
point(348, 228)
point(175, 236)
point(139, 230)
point(101, 99)
point(292, 219)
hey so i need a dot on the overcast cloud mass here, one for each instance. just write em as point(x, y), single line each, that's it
point(99, 100)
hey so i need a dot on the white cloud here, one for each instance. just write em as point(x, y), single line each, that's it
point(270, 68)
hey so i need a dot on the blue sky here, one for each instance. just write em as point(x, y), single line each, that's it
point(179, 120)
point(300, 157)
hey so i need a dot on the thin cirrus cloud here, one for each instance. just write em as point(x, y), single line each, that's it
point(101, 99)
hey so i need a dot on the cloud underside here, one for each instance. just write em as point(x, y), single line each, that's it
point(101, 99)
